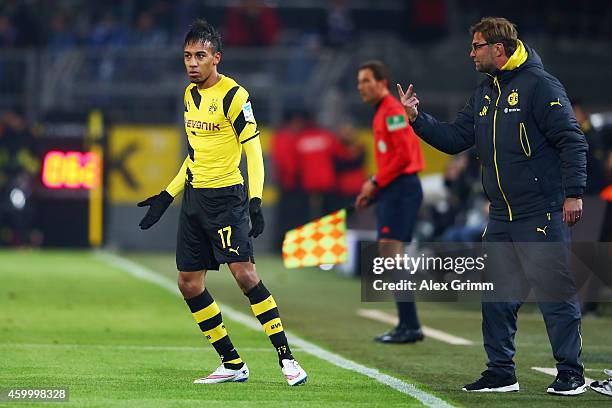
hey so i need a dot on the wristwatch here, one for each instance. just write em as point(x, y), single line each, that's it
point(373, 180)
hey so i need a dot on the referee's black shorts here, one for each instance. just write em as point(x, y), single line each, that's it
point(397, 208)
point(213, 228)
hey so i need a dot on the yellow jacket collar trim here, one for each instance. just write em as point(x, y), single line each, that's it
point(517, 59)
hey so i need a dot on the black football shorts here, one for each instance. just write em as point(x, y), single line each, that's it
point(213, 228)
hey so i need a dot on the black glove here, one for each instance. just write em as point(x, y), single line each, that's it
point(257, 220)
point(158, 206)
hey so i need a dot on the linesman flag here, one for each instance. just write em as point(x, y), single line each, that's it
point(322, 241)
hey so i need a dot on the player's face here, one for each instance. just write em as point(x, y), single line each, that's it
point(370, 89)
point(200, 61)
point(482, 54)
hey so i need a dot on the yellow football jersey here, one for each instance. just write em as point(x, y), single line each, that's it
point(218, 120)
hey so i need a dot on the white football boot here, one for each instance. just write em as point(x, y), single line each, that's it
point(293, 372)
point(603, 387)
point(222, 374)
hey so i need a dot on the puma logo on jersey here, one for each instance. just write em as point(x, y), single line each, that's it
point(542, 230)
point(234, 250)
point(557, 102)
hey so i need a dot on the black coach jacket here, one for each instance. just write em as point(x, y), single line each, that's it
point(531, 148)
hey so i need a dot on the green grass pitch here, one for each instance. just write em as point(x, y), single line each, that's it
point(67, 319)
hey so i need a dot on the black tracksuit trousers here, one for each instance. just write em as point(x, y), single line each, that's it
point(524, 255)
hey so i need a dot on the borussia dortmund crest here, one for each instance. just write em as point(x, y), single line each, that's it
point(513, 97)
point(213, 106)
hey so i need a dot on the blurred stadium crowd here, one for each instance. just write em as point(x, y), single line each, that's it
point(62, 24)
point(317, 158)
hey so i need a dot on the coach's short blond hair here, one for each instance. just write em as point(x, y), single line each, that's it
point(497, 30)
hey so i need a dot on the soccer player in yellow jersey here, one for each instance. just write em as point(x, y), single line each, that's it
point(214, 220)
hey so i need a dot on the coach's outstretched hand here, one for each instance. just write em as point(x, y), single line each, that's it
point(158, 204)
point(409, 101)
point(257, 220)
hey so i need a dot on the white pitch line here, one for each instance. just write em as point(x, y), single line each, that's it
point(553, 372)
point(141, 272)
point(123, 347)
point(428, 331)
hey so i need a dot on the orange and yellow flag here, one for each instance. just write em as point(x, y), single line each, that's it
point(322, 241)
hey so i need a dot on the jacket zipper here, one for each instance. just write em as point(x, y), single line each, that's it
point(496, 82)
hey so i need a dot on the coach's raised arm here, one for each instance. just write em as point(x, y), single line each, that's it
point(451, 138)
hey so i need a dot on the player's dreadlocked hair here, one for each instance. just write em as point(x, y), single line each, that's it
point(201, 31)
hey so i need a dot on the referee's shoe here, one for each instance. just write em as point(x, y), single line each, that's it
point(401, 334)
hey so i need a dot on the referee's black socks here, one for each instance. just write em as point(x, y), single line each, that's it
point(265, 309)
point(208, 316)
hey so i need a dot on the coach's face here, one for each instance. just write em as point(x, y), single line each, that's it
point(482, 54)
point(200, 61)
point(370, 89)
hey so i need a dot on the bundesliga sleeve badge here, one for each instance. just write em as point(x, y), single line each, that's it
point(247, 111)
point(396, 122)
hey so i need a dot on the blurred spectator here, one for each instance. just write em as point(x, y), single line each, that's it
point(284, 152)
point(106, 32)
point(305, 158)
point(17, 147)
point(24, 18)
point(473, 226)
point(256, 23)
point(429, 20)
point(320, 155)
point(251, 23)
point(596, 157)
point(291, 210)
point(303, 58)
point(317, 148)
point(60, 37)
point(108, 35)
point(183, 17)
point(8, 70)
point(340, 28)
point(147, 33)
point(349, 166)
point(462, 216)
point(18, 169)
point(164, 14)
point(8, 33)
point(597, 181)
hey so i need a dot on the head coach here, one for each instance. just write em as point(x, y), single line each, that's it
point(533, 157)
